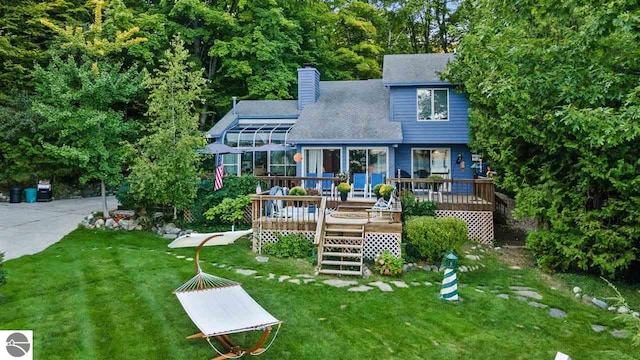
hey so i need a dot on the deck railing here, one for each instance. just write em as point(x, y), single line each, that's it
point(286, 212)
point(448, 194)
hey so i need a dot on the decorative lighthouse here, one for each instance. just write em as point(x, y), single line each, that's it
point(449, 289)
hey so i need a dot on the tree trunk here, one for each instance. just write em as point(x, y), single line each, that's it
point(175, 213)
point(213, 64)
point(103, 194)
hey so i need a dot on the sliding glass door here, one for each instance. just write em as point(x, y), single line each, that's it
point(321, 161)
point(432, 161)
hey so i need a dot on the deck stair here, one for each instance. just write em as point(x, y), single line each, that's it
point(340, 249)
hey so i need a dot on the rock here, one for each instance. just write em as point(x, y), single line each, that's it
point(503, 296)
point(405, 267)
point(271, 276)
point(180, 256)
point(463, 268)
point(462, 286)
point(434, 268)
point(599, 303)
point(557, 313)
point(295, 281)
point(497, 248)
point(636, 314)
point(366, 273)
point(283, 278)
point(478, 290)
point(400, 284)
point(170, 236)
point(382, 286)
point(537, 305)
point(529, 294)
point(246, 272)
point(361, 288)
point(620, 334)
point(623, 310)
point(612, 308)
point(306, 281)
point(189, 259)
point(578, 296)
point(598, 328)
point(133, 224)
point(172, 230)
point(520, 288)
point(110, 223)
point(577, 290)
point(522, 298)
point(472, 257)
point(124, 224)
point(262, 259)
point(426, 283)
point(138, 228)
point(426, 268)
point(340, 283)
point(514, 267)
point(586, 298)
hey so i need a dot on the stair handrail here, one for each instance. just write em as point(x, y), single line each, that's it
point(320, 224)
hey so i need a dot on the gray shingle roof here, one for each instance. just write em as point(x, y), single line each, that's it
point(255, 108)
point(414, 68)
point(348, 111)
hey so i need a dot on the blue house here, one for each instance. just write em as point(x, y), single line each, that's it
point(410, 123)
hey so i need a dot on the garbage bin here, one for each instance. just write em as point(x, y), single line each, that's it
point(30, 195)
point(15, 194)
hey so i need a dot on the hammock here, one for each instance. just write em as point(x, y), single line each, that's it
point(220, 307)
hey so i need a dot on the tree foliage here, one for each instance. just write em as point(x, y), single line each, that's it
point(555, 104)
point(165, 169)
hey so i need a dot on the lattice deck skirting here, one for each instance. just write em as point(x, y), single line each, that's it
point(374, 243)
point(480, 223)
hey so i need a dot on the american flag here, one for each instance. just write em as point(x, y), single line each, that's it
point(219, 174)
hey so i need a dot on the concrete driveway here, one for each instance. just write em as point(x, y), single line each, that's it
point(30, 228)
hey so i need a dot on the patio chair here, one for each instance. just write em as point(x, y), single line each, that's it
point(382, 207)
point(220, 307)
point(376, 178)
point(311, 184)
point(359, 184)
point(327, 184)
point(275, 207)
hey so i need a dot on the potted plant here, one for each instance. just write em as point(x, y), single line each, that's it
point(343, 176)
point(435, 186)
point(344, 190)
point(376, 190)
point(386, 190)
point(297, 191)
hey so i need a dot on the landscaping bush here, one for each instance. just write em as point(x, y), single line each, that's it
point(290, 246)
point(207, 198)
point(412, 207)
point(434, 237)
point(3, 272)
point(229, 211)
point(387, 264)
point(376, 190)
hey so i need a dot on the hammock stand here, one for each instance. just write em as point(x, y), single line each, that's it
point(220, 307)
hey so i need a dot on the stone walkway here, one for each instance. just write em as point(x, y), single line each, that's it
point(27, 229)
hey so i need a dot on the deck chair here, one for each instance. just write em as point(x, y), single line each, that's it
point(220, 307)
point(359, 184)
point(376, 178)
point(383, 206)
point(327, 184)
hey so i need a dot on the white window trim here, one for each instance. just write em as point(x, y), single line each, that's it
point(304, 157)
point(431, 149)
point(367, 158)
point(432, 105)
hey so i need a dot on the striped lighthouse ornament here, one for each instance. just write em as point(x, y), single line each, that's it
point(449, 289)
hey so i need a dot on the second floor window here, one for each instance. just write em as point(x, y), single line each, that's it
point(433, 104)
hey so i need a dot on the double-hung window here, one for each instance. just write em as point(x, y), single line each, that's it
point(433, 104)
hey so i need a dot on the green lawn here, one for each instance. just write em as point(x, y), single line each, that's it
point(107, 295)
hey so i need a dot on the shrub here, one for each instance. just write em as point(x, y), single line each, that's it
point(434, 237)
point(290, 246)
point(387, 264)
point(207, 198)
point(412, 207)
point(229, 211)
point(3, 272)
point(344, 187)
point(376, 189)
point(297, 191)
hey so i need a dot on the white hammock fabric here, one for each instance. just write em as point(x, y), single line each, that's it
point(223, 310)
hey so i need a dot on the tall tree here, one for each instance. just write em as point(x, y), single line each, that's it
point(165, 170)
point(554, 93)
point(95, 47)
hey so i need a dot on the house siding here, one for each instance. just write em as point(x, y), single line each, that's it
point(404, 110)
point(308, 86)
